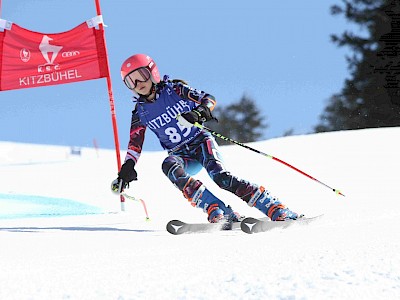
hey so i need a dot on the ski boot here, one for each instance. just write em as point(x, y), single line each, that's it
point(271, 206)
point(217, 211)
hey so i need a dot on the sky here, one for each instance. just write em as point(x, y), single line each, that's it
point(63, 236)
point(277, 52)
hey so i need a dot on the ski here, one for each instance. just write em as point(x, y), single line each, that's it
point(177, 227)
point(253, 225)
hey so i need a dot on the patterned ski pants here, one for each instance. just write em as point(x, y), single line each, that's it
point(203, 152)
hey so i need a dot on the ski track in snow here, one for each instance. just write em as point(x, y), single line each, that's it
point(77, 244)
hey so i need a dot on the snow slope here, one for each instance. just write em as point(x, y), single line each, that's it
point(63, 236)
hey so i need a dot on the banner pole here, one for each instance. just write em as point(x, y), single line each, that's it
point(112, 105)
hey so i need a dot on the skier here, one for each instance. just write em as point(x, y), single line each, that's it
point(170, 108)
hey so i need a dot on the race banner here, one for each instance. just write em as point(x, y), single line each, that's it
point(30, 59)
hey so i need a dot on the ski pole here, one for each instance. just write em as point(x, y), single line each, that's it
point(116, 187)
point(265, 154)
point(139, 200)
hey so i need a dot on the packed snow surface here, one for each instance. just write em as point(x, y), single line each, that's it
point(63, 234)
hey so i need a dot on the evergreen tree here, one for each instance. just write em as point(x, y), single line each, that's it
point(240, 121)
point(371, 97)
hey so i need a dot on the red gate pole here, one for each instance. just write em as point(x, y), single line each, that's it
point(112, 106)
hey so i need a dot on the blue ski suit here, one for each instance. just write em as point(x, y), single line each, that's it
point(189, 149)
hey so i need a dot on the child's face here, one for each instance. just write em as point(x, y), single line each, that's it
point(139, 81)
point(143, 88)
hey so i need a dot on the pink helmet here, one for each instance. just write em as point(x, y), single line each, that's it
point(140, 61)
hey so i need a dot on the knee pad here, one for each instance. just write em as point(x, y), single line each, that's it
point(174, 170)
point(171, 163)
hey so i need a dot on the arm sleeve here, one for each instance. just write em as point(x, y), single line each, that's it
point(200, 97)
point(137, 132)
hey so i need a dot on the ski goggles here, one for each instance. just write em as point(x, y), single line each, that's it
point(139, 75)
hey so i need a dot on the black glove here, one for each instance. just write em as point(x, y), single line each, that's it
point(128, 172)
point(199, 114)
point(125, 175)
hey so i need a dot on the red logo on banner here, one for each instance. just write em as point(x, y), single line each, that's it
point(32, 59)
